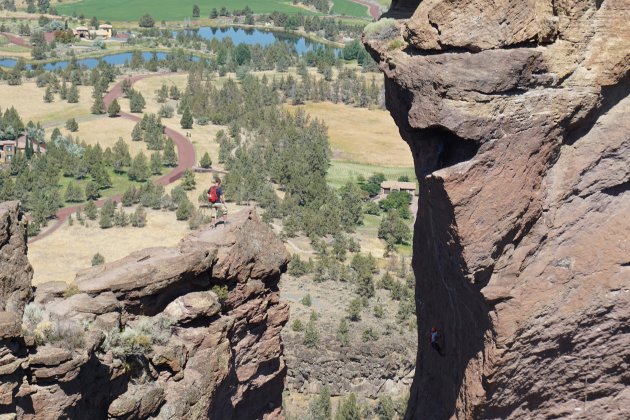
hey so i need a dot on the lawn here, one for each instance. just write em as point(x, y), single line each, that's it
point(349, 8)
point(341, 172)
point(125, 10)
point(120, 184)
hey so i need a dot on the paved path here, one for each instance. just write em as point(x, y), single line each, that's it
point(375, 10)
point(185, 149)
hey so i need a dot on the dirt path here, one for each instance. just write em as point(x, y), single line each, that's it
point(375, 10)
point(185, 149)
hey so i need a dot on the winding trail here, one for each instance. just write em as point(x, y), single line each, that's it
point(185, 151)
point(375, 10)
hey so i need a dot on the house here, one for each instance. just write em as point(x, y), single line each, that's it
point(389, 186)
point(104, 30)
point(81, 32)
point(7, 150)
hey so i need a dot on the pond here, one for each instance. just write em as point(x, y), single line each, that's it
point(238, 36)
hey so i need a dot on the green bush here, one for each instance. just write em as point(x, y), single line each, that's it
point(311, 335)
point(98, 259)
point(306, 300)
point(382, 29)
point(297, 326)
point(369, 335)
point(354, 310)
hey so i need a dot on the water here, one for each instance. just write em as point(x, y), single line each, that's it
point(238, 36)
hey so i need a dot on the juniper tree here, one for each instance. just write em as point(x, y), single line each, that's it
point(156, 163)
point(48, 95)
point(113, 109)
point(169, 157)
point(139, 170)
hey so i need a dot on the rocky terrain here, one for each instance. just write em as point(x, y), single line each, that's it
point(518, 118)
point(185, 332)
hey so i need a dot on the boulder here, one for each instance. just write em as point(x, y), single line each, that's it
point(192, 306)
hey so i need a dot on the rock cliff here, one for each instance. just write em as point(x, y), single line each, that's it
point(518, 117)
point(170, 333)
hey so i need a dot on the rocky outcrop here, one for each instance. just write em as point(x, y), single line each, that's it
point(170, 333)
point(517, 115)
point(15, 271)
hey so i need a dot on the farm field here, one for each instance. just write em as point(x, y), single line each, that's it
point(124, 10)
point(340, 172)
point(349, 8)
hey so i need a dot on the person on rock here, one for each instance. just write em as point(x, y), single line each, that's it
point(217, 202)
point(434, 340)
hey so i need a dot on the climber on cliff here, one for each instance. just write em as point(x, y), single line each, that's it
point(434, 340)
point(216, 202)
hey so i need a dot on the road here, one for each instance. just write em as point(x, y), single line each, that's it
point(185, 150)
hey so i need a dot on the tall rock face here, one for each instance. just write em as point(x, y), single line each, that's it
point(518, 117)
point(186, 332)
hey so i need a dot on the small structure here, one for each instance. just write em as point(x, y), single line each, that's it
point(7, 150)
point(389, 186)
point(105, 30)
point(81, 32)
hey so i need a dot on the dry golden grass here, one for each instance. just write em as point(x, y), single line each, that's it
point(28, 100)
point(92, 131)
point(362, 135)
point(59, 256)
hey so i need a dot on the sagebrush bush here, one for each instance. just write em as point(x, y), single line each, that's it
point(140, 337)
point(382, 29)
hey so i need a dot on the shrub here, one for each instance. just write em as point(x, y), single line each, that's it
point(343, 333)
point(71, 290)
point(311, 336)
point(98, 259)
point(382, 29)
point(297, 267)
point(166, 111)
point(369, 335)
point(297, 326)
point(138, 338)
point(354, 310)
point(306, 300)
point(221, 291)
point(379, 312)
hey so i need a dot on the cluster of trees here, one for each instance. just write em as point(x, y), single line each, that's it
point(349, 408)
point(319, 5)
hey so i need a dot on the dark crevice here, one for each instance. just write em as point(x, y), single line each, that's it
point(402, 9)
point(598, 3)
point(610, 96)
point(617, 189)
point(451, 149)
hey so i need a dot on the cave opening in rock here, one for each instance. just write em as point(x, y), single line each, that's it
point(450, 149)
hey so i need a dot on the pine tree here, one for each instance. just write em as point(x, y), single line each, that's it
point(170, 157)
point(90, 210)
point(156, 163)
point(188, 180)
point(139, 170)
point(311, 335)
point(73, 94)
point(139, 217)
point(121, 156)
point(162, 94)
point(113, 109)
point(63, 92)
point(137, 102)
point(137, 133)
point(187, 119)
point(73, 193)
point(205, 161)
point(48, 96)
point(72, 125)
point(92, 191)
point(98, 107)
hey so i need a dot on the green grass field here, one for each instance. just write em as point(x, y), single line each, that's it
point(131, 10)
point(120, 184)
point(341, 172)
point(349, 8)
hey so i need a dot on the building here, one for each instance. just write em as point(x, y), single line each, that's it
point(389, 186)
point(7, 150)
point(105, 31)
point(81, 32)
